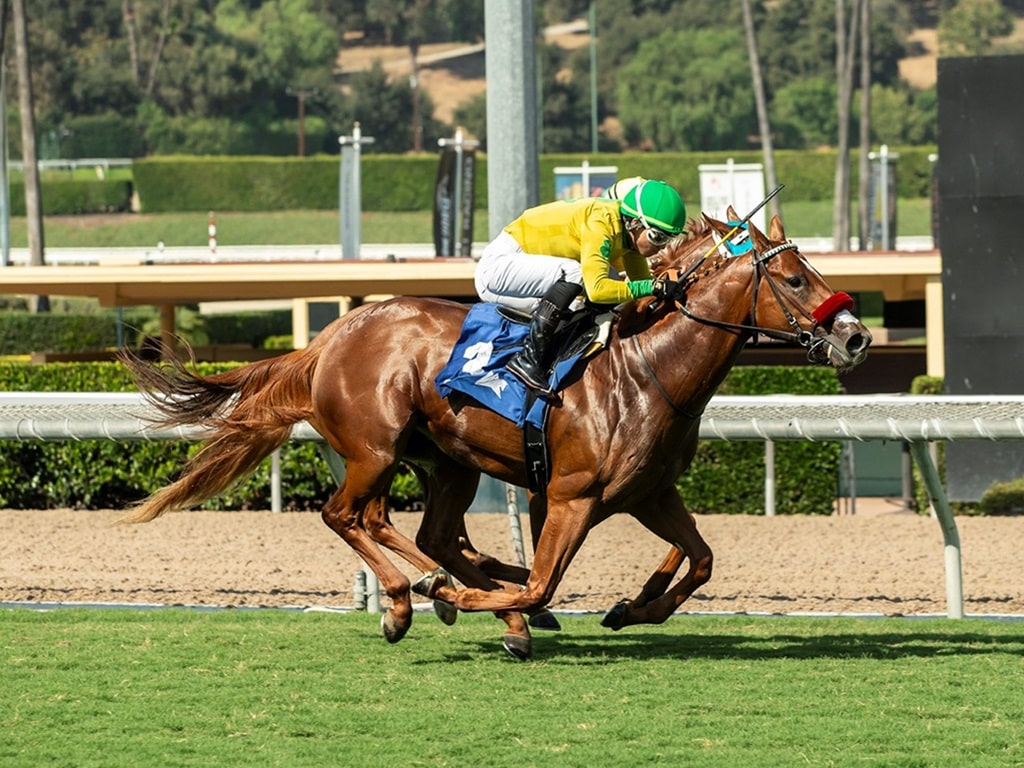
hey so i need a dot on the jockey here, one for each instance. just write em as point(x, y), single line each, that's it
point(542, 261)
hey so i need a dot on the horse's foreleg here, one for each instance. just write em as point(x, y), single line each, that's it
point(563, 533)
point(442, 534)
point(670, 520)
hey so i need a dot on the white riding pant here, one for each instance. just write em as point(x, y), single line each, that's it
point(508, 275)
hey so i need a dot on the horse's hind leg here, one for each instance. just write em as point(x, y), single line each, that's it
point(344, 514)
point(377, 523)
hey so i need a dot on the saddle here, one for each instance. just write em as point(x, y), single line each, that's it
point(574, 335)
point(490, 336)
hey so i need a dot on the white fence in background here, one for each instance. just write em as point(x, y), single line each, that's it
point(916, 420)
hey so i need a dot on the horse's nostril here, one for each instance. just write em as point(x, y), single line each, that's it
point(857, 343)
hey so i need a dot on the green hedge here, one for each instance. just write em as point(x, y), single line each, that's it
point(64, 198)
point(24, 332)
point(807, 175)
point(252, 328)
point(405, 182)
point(728, 477)
point(104, 474)
point(95, 474)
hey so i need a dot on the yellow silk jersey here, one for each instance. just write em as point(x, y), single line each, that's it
point(589, 231)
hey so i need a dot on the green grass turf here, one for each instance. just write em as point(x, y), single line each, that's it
point(176, 687)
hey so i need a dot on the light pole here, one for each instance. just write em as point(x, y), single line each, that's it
point(301, 94)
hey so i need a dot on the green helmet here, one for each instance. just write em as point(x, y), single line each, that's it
point(657, 205)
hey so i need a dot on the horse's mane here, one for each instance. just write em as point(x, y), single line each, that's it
point(635, 316)
point(677, 250)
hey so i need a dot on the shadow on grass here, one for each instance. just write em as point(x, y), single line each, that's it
point(587, 647)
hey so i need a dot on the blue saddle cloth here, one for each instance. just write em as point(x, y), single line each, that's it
point(477, 366)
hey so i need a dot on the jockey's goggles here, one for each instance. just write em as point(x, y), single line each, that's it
point(658, 237)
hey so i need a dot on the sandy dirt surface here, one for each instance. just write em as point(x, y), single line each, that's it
point(879, 561)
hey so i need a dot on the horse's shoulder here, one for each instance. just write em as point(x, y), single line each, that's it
point(634, 317)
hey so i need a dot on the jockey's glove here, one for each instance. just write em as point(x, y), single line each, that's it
point(667, 289)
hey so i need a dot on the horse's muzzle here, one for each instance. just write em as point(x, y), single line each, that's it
point(844, 345)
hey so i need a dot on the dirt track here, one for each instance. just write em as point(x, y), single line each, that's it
point(882, 561)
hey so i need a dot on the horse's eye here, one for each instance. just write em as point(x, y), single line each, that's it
point(796, 281)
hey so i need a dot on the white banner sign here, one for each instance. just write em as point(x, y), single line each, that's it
point(737, 184)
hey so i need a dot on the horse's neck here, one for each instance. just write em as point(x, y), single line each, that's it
point(699, 356)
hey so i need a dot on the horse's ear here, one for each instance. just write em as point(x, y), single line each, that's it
point(715, 225)
point(775, 230)
point(757, 237)
point(731, 215)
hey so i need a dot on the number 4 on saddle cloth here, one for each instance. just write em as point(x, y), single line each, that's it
point(490, 336)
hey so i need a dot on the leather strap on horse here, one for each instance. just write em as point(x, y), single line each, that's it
point(535, 449)
point(657, 384)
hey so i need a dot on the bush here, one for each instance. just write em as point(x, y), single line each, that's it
point(104, 474)
point(1003, 498)
point(728, 477)
point(99, 474)
point(251, 328)
point(24, 332)
point(63, 198)
point(406, 182)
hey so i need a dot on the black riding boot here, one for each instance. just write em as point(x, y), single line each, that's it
point(531, 364)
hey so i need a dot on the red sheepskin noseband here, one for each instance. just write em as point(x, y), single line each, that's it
point(832, 306)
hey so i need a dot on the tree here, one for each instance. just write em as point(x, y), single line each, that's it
point(700, 98)
point(847, 19)
point(864, 167)
point(415, 22)
point(901, 116)
point(970, 27)
point(798, 40)
point(564, 106)
point(384, 110)
point(804, 113)
point(33, 196)
point(764, 126)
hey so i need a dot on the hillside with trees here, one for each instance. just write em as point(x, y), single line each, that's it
point(158, 77)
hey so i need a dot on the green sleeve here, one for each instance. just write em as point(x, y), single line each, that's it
point(640, 288)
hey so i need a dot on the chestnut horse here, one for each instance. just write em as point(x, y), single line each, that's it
point(625, 430)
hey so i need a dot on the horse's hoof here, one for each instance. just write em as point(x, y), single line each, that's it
point(446, 612)
point(615, 619)
point(393, 631)
point(545, 619)
point(428, 582)
point(517, 646)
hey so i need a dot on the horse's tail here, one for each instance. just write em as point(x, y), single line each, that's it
point(249, 410)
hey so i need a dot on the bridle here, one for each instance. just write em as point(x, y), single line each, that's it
point(808, 339)
point(812, 340)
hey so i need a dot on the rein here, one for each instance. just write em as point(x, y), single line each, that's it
point(803, 338)
point(809, 340)
point(661, 390)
